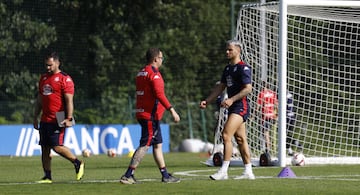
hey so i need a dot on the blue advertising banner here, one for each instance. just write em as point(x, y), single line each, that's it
point(23, 140)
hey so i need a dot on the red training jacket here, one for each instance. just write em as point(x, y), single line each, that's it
point(151, 101)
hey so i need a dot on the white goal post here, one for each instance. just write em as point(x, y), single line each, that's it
point(310, 48)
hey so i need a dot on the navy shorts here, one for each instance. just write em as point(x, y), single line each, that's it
point(150, 132)
point(51, 134)
point(241, 110)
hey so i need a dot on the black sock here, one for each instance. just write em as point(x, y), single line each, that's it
point(129, 172)
point(47, 174)
point(77, 162)
point(164, 172)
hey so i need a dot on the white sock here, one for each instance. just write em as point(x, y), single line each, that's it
point(248, 168)
point(225, 166)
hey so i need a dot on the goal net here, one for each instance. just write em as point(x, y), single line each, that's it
point(323, 79)
point(323, 76)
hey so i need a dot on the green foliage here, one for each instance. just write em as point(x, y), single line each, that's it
point(21, 89)
point(3, 120)
point(102, 46)
point(13, 85)
point(21, 35)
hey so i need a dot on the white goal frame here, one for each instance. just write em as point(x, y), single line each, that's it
point(265, 46)
point(282, 66)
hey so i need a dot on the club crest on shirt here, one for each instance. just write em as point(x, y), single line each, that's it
point(47, 89)
point(229, 81)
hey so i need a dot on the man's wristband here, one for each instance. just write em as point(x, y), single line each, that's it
point(69, 118)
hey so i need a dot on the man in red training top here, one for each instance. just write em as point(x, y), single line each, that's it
point(151, 103)
point(56, 92)
point(267, 105)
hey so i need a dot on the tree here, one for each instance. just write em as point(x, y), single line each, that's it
point(21, 38)
point(102, 46)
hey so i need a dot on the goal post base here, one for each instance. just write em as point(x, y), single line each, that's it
point(330, 160)
point(237, 162)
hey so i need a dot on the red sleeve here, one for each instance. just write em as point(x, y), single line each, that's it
point(68, 85)
point(159, 88)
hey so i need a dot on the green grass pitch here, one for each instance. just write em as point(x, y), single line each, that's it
point(17, 176)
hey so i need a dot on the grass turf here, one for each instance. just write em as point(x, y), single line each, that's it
point(17, 176)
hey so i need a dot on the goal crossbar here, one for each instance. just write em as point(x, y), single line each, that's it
point(334, 3)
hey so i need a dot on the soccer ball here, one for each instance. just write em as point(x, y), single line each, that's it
point(86, 152)
point(298, 159)
point(111, 152)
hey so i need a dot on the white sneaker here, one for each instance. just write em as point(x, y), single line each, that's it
point(220, 175)
point(245, 175)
